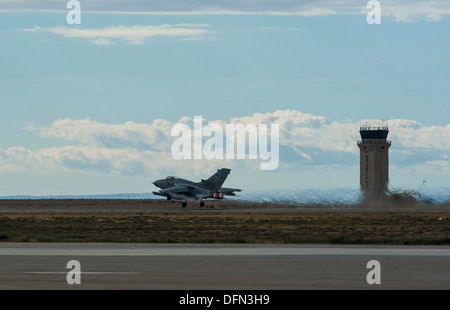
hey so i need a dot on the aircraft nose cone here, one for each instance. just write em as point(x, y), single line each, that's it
point(157, 183)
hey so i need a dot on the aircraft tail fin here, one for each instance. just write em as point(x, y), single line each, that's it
point(218, 178)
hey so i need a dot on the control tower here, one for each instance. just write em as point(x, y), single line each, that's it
point(374, 161)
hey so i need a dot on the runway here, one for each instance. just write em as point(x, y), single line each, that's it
point(221, 267)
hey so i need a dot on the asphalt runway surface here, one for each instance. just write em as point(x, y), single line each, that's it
point(106, 266)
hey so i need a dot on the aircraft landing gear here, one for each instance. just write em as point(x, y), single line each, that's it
point(202, 204)
point(184, 204)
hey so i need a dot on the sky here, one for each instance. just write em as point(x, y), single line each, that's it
point(88, 108)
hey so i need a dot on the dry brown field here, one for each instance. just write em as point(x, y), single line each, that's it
point(160, 221)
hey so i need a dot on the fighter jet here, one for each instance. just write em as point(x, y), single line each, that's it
point(182, 189)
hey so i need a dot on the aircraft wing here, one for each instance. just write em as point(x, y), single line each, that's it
point(179, 189)
point(187, 190)
point(229, 191)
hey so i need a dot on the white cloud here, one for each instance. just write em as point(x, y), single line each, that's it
point(103, 41)
point(135, 35)
point(436, 167)
point(302, 130)
point(409, 11)
point(140, 149)
point(413, 135)
point(398, 10)
point(153, 136)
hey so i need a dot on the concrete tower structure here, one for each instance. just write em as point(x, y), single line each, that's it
point(374, 161)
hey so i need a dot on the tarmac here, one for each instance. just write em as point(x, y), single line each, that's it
point(44, 266)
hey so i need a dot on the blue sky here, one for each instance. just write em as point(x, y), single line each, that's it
point(167, 60)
